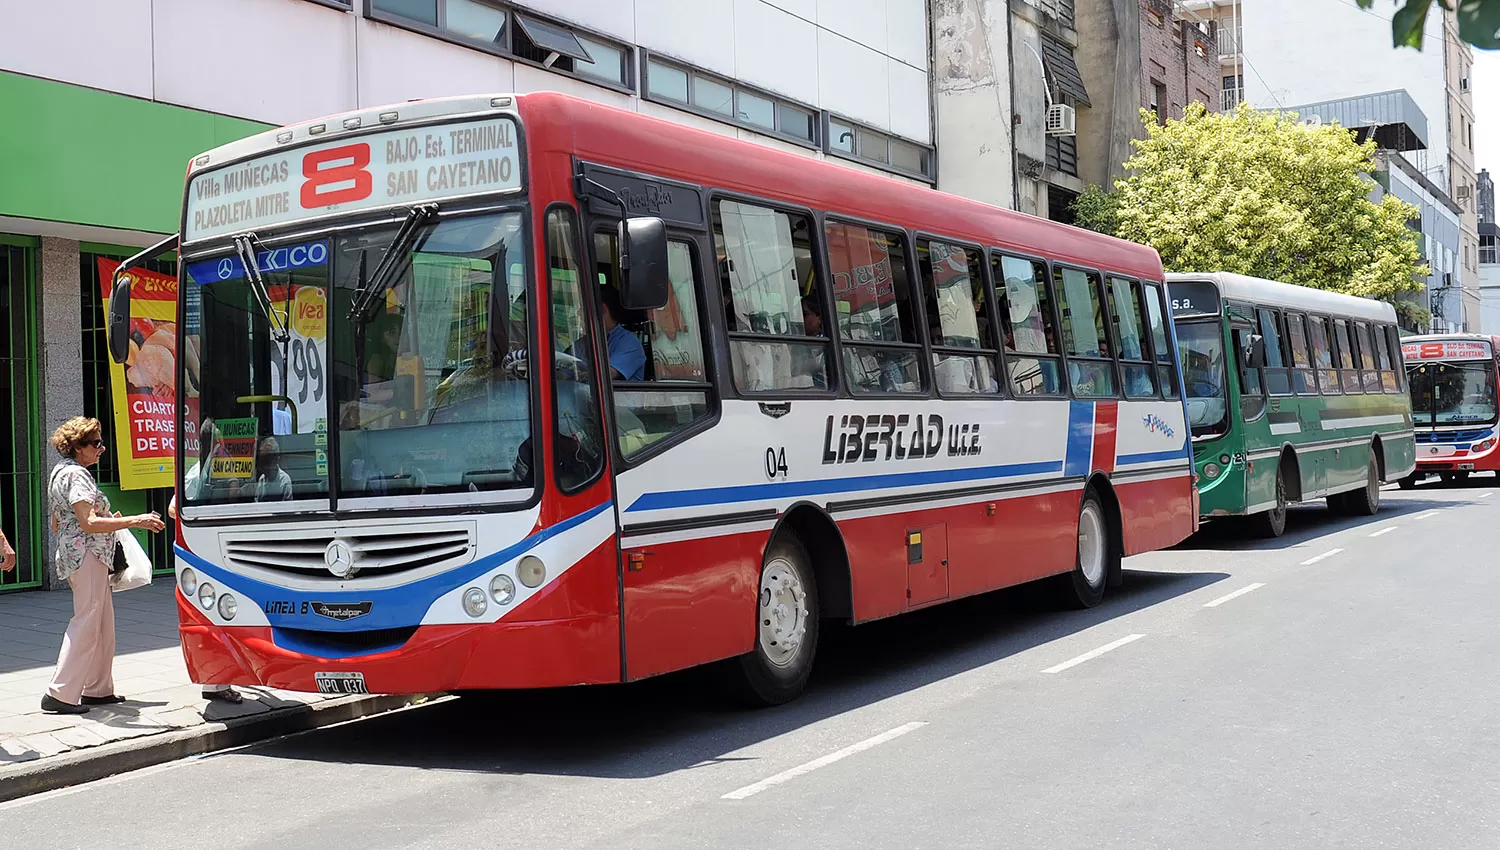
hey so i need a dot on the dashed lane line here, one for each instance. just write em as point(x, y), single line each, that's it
point(1387, 530)
point(1316, 558)
point(1093, 653)
point(824, 761)
point(1238, 593)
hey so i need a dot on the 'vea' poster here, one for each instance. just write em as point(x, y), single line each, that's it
point(144, 388)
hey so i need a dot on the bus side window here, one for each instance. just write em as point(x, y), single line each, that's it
point(1328, 376)
point(1390, 359)
point(1135, 357)
point(964, 354)
point(876, 312)
point(675, 395)
point(1304, 380)
point(1091, 370)
point(1166, 375)
point(1348, 362)
point(1393, 341)
point(578, 437)
point(1369, 368)
point(774, 308)
point(1278, 377)
point(1031, 351)
point(1252, 391)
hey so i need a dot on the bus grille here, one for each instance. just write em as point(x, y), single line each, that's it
point(1467, 436)
point(374, 554)
point(343, 644)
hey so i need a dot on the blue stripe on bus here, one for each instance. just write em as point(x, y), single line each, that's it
point(793, 489)
point(1080, 438)
point(1150, 457)
point(393, 607)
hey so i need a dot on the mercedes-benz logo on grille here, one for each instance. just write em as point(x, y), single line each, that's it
point(339, 559)
point(1433, 450)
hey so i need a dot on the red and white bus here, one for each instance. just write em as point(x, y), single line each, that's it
point(1453, 380)
point(820, 394)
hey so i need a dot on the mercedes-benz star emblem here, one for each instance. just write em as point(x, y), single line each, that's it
point(339, 559)
point(226, 268)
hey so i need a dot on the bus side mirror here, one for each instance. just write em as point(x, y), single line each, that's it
point(119, 319)
point(643, 264)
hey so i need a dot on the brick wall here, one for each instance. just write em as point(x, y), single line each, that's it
point(1179, 62)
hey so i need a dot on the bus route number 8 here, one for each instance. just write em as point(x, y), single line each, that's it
point(336, 176)
point(776, 463)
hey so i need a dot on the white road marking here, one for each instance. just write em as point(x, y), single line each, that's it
point(1316, 558)
point(1093, 653)
point(1387, 530)
point(1487, 494)
point(809, 767)
point(1228, 596)
point(1425, 515)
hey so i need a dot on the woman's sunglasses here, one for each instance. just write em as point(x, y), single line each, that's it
point(98, 444)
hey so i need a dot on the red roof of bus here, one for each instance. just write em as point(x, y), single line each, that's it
point(558, 123)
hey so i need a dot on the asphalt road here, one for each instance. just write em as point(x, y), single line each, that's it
point(1335, 688)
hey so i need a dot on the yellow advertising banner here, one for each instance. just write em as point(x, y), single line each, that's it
point(144, 388)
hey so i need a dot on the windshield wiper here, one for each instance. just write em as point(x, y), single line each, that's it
point(366, 293)
point(244, 247)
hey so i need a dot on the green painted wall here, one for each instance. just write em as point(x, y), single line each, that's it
point(83, 156)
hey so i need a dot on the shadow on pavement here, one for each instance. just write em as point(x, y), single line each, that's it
point(679, 721)
point(1313, 519)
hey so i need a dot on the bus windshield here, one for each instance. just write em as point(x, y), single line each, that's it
point(1200, 346)
point(415, 386)
point(1453, 393)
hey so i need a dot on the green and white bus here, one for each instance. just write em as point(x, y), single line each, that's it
point(1293, 394)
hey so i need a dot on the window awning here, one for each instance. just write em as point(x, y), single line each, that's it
point(553, 38)
point(1062, 71)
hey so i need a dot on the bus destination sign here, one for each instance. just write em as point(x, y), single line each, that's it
point(396, 167)
point(1449, 350)
point(1193, 298)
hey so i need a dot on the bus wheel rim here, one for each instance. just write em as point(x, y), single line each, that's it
point(1091, 544)
point(783, 613)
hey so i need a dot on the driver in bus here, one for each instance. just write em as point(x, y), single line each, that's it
point(627, 357)
point(272, 483)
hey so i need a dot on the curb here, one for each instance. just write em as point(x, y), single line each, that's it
point(95, 763)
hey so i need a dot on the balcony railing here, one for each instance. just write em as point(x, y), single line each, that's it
point(1229, 41)
point(1231, 98)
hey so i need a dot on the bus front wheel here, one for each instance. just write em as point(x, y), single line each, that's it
point(1410, 481)
point(786, 629)
point(1098, 557)
point(1271, 523)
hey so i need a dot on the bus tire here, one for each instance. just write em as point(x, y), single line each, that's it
point(786, 629)
point(1271, 523)
point(1366, 500)
point(1096, 559)
point(1410, 482)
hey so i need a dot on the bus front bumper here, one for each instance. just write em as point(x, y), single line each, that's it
point(530, 654)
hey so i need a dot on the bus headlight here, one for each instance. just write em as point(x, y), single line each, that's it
point(531, 571)
point(206, 595)
point(188, 581)
point(228, 607)
point(1211, 471)
point(502, 589)
point(1224, 460)
point(475, 602)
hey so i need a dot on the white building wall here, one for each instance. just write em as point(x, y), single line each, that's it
point(1307, 51)
point(973, 98)
point(283, 61)
point(1489, 298)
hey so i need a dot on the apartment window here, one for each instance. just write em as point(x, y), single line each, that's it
point(851, 140)
point(1158, 101)
point(698, 91)
point(1234, 91)
point(1488, 251)
point(500, 29)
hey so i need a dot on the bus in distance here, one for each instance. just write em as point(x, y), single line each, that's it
point(514, 391)
point(1293, 394)
point(1453, 379)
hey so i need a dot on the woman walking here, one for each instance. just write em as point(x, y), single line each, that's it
point(85, 551)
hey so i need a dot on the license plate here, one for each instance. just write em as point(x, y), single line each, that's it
point(341, 683)
point(1466, 466)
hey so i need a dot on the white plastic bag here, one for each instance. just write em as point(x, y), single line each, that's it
point(137, 571)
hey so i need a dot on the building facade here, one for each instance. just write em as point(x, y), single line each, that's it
point(108, 99)
point(1489, 256)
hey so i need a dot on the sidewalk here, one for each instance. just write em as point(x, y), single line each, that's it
point(165, 716)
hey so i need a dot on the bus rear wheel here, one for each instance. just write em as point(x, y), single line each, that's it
point(1362, 502)
point(1097, 558)
point(786, 629)
point(1271, 523)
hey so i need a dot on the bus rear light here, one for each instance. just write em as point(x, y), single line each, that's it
point(531, 571)
point(502, 590)
point(1484, 446)
point(475, 602)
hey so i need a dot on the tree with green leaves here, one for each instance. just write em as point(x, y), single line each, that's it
point(1259, 193)
point(1478, 21)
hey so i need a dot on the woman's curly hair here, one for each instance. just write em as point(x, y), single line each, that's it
point(71, 435)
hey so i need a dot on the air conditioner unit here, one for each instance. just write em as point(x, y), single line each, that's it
point(1463, 192)
point(1062, 120)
